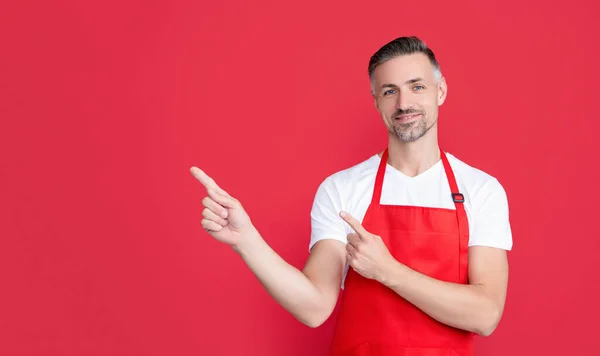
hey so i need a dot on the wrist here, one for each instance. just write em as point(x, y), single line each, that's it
point(389, 272)
point(248, 242)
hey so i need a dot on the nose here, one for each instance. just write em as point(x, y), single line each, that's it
point(403, 101)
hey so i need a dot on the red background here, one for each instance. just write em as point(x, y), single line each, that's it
point(104, 107)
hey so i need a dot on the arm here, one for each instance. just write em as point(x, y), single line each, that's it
point(476, 307)
point(309, 295)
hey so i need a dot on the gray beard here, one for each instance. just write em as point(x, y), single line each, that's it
point(410, 132)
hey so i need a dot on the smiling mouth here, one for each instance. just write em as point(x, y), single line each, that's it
point(407, 117)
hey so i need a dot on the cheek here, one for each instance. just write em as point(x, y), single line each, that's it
point(388, 107)
point(385, 107)
point(428, 104)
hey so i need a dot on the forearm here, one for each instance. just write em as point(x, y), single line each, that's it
point(464, 306)
point(287, 285)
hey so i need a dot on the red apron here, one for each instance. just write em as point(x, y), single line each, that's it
point(373, 319)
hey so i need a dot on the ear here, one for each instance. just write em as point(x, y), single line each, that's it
point(442, 91)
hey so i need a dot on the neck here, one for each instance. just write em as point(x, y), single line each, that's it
point(413, 158)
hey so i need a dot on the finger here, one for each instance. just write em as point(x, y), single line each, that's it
point(210, 225)
point(354, 224)
point(206, 181)
point(352, 260)
point(215, 207)
point(353, 239)
point(209, 215)
point(351, 250)
point(222, 199)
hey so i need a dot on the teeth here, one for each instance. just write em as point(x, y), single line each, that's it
point(406, 117)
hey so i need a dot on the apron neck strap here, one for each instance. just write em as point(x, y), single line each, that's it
point(457, 197)
point(379, 178)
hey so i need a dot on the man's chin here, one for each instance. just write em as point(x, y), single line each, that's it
point(409, 135)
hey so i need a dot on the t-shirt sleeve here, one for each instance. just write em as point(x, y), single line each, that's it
point(491, 224)
point(325, 220)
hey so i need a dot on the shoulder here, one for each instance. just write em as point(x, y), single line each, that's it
point(345, 179)
point(467, 173)
point(334, 194)
point(345, 189)
point(474, 182)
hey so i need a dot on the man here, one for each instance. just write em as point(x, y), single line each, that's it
point(415, 237)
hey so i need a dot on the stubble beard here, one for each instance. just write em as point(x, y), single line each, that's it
point(412, 131)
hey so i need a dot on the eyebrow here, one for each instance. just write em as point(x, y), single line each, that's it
point(411, 81)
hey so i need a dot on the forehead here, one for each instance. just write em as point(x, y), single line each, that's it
point(404, 68)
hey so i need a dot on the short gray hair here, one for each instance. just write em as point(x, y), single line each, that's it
point(401, 46)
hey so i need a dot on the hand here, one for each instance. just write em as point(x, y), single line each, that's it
point(366, 252)
point(224, 217)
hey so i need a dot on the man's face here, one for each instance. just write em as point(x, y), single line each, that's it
point(407, 95)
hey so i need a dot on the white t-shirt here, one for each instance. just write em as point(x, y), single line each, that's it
point(351, 190)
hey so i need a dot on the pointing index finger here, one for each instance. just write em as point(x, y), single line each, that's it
point(354, 224)
point(206, 181)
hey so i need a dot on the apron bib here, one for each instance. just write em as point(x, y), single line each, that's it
point(373, 319)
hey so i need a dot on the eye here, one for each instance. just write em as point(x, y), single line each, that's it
point(388, 92)
point(419, 87)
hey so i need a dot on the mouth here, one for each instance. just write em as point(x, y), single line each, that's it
point(407, 117)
